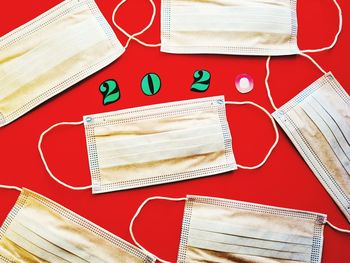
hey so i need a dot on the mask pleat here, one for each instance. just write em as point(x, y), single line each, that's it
point(240, 240)
point(41, 244)
point(325, 159)
point(339, 134)
point(11, 252)
point(176, 169)
point(140, 142)
point(164, 111)
point(199, 255)
point(164, 144)
point(252, 251)
point(160, 143)
point(330, 134)
point(211, 146)
point(254, 233)
point(269, 20)
point(35, 246)
point(73, 244)
point(336, 107)
point(141, 136)
point(158, 120)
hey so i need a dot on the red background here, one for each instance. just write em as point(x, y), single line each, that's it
point(284, 181)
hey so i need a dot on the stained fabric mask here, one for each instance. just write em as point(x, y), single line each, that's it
point(222, 230)
point(236, 27)
point(40, 230)
point(158, 144)
point(317, 121)
point(49, 54)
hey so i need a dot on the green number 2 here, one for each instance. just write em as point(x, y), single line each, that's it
point(110, 91)
point(201, 81)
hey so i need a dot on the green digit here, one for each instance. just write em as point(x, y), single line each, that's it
point(150, 84)
point(110, 91)
point(201, 81)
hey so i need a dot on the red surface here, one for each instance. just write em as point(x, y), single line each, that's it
point(284, 181)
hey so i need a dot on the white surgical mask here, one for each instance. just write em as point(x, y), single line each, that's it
point(317, 121)
point(39, 230)
point(222, 230)
point(236, 27)
point(158, 144)
point(51, 53)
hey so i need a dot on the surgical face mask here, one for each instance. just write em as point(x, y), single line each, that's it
point(221, 230)
point(40, 230)
point(243, 27)
point(51, 53)
point(236, 27)
point(317, 121)
point(158, 144)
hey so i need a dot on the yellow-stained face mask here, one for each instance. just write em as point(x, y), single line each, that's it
point(220, 230)
point(40, 230)
point(51, 53)
point(317, 121)
point(158, 144)
point(234, 27)
point(239, 27)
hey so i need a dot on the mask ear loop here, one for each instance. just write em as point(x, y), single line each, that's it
point(340, 14)
point(274, 126)
point(44, 160)
point(337, 228)
point(133, 37)
point(10, 187)
point(267, 84)
point(137, 214)
point(268, 75)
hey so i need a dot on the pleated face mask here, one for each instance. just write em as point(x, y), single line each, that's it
point(158, 144)
point(40, 230)
point(221, 230)
point(241, 27)
point(236, 27)
point(317, 121)
point(51, 53)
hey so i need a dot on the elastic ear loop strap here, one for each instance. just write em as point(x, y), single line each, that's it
point(268, 75)
point(338, 228)
point(336, 36)
point(138, 33)
point(274, 127)
point(10, 187)
point(44, 160)
point(138, 212)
